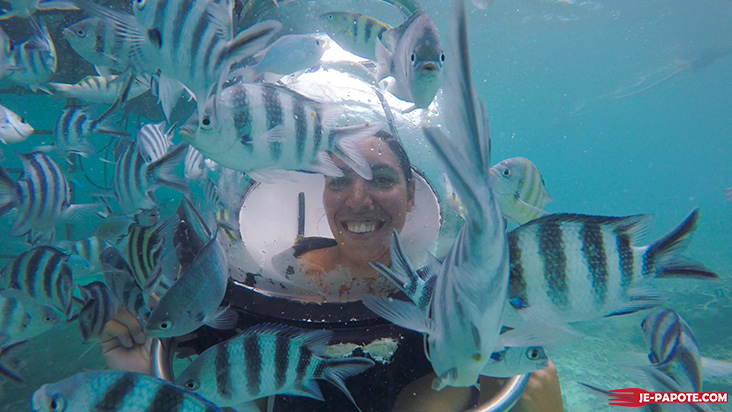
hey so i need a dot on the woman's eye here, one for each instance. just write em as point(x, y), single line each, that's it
point(337, 183)
point(384, 181)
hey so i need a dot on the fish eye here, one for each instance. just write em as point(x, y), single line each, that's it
point(57, 403)
point(48, 319)
point(506, 173)
point(22, 120)
point(192, 384)
point(165, 325)
point(139, 4)
point(206, 122)
point(80, 32)
point(412, 57)
point(533, 353)
point(442, 57)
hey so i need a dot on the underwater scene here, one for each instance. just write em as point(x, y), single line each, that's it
point(364, 205)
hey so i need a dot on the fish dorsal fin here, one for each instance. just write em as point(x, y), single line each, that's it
point(392, 36)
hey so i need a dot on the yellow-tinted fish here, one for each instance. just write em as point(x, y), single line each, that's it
point(354, 32)
point(520, 189)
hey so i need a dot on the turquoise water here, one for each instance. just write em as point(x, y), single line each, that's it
point(564, 84)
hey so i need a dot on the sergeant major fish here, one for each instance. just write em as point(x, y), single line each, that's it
point(36, 57)
point(267, 360)
point(25, 8)
point(117, 391)
point(354, 32)
point(98, 89)
point(96, 41)
point(41, 196)
point(189, 42)
point(265, 126)
point(13, 128)
point(20, 321)
point(520, 189)
point(99, 307)
point(41, 276)
point(412, 54)
point(579, 267)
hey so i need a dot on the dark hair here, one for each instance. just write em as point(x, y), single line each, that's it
point(396, 146)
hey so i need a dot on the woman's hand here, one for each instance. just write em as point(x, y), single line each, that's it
point(124, 345)
point(542, 393)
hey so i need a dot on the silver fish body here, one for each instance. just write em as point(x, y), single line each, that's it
point(673, 350)
point(117, 391)
point(41, 276)
point(289, 54)
point(194, 299)
point(13, 128)
point(266, 126)
point(134, 179)
point(98, 89)
point(96, 41)
point(153, 141)
point(520, 189)
point(99, 307)
point(36, 57)
point(75, 125)
point(267, 360)
point(354, 32)
point(579, 267)
point(41, 195)
point(20, 321)
point(412, 54)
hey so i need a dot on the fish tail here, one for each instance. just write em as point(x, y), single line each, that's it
point(9, 192)
point(338, 370)
point(663, 255)
point(10, 363)
point(162, 171)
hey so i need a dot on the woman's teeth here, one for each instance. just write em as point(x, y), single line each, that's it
point(361, 227)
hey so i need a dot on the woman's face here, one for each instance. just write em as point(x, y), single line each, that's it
point(362, 213)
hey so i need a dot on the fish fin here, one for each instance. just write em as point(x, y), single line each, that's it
point(663, 253)
point(162, 171)
point(528, 211)
point(604, 395)
point(249, 42)
point(275, 135)
point(169, 92)
point(10, 192)
point(538, 334)
point(9, 15)
point(663, 383)
point(223, 318)
point(56, 5)
point(346, 140)
point(309, 389)
point(715, 368)
point(440, 382)
point(250, 406)
point(401, 313)
point(640, 298)
point(383, 57)
point(401, 273)
point(338, 370)
point(10, 363)
point(220, 19)
point(326, 166)
point(78, 212)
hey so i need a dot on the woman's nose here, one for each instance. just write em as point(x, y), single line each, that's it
point(359, 196)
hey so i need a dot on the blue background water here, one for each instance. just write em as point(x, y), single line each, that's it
point(548, 71)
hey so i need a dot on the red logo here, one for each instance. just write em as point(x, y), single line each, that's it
point(635, 397)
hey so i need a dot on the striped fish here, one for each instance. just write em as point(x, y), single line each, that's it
point(99, 307)
point(265, 126)
point(194, 164)
point(42, 276)
point(25, 8)
point(117, 391)
point(145, 247)
point(20, 321)
point(579, 267)
point(134, 179)
point(97, 42)
point(41, 196)
point(354, 32)
point(520, 190)
point(190, 42)
point(76, 124)
point(89, 250)
point(267, 360)
point(464, 325)
point(153, 141)
point(98, 89)
point(118, 275)
point(36, 56)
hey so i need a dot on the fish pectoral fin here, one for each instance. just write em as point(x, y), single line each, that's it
point(401, 313)
point(223, 318)
point(77, 213)
point(441, 381)
point(275, 135)
point(383, 58)
point(347, 139)
point(538, 334)
point(169, 92)
point(326, 166)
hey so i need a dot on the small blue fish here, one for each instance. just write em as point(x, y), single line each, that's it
point(287, 55)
